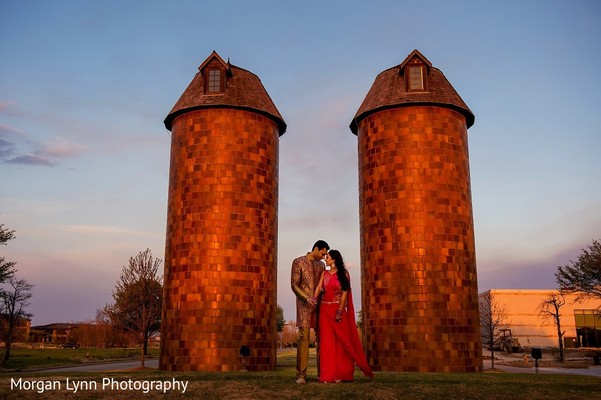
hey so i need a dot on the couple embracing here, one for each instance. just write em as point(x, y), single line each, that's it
point(324, 302)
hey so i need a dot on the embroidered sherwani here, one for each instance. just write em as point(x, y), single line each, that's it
point(304, 278)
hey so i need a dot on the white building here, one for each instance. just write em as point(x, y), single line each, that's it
point(581, 320)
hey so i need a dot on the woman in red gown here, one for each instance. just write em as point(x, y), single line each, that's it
point(339, 345)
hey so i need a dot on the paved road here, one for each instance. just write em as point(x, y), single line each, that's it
point(111, 366)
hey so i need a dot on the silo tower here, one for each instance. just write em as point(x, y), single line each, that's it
point(219, 310)
point(418, 261)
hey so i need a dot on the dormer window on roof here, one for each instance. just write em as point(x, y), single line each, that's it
point(213, 79)
point(415, 68)
point(416, 81)
point(214, 72)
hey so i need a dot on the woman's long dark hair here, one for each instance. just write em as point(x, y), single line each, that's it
point(340, 269)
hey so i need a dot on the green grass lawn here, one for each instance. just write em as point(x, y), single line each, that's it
point(279, 384)
point(23, 358)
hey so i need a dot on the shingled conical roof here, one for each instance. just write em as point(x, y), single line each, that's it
point(389, 90)
point(242, 90)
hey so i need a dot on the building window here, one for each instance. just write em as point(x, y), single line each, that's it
point(214, 81)
point(588, 328)
point(416, 81)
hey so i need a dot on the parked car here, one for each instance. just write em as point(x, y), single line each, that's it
point(69, 345)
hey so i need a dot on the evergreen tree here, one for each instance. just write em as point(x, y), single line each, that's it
point(584, 275)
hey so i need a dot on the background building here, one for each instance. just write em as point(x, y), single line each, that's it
point(22, 329)
point(580, 320)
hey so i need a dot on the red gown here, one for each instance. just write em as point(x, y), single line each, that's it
point(339, 345)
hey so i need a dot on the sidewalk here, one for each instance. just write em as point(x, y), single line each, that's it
point(594, 370)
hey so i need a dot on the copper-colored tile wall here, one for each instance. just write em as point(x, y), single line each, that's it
point(221, 246)
point(419, 285)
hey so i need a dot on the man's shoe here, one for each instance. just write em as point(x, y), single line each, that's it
point(301, 381)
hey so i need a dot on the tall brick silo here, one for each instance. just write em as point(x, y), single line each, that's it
point(219, 310)
point(418, 261)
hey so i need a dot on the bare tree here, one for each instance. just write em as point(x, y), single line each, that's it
point(289, 334)
point(549, 309)
point(7, 269)
point(5, 234)
point(115, 334)
point(93, 334)
point(104, 328)
point(493, 320)
point(15, 299)
point(138, 299)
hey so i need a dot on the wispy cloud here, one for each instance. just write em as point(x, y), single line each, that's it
point(31, 159)
point(7, 148)
point(61, 148)
point(22, 148)
point(6, 130)
point(13, 143)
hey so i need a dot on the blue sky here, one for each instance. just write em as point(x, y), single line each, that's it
point(84, 154)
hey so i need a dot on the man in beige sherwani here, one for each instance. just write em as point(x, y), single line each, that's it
point(305, 274)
